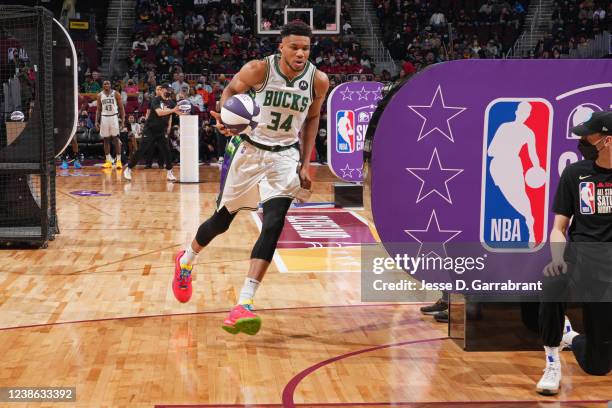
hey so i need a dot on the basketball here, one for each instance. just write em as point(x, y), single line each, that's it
point(17, 116)
point(184, 106)
point(238, 112)
point(535, 177)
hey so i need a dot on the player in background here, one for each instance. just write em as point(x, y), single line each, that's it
point(109, 106)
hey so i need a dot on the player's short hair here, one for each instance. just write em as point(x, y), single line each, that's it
point(296, 28)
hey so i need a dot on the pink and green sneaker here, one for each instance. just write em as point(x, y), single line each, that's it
point(242, 319)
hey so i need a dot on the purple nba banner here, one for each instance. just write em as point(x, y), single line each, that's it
point(466, 160)
point(349, 109)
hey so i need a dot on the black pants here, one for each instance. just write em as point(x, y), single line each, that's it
point(150, 139)
point(154, 153)
point(221, 144)
point(593, 349)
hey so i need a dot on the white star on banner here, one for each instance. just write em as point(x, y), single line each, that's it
point(436, 116)
point(437, 178)
point(345, 92)
point(363, 93)
point(347, 170)
point(434, 240)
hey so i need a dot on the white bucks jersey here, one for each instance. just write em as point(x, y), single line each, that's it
point(284, 104)
point(109, 104)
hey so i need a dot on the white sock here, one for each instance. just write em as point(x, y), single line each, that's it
point(248, 290)
point(109, 158)
point(552, 355)
point(189, 256)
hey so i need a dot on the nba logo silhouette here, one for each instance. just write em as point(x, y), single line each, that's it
point(345, 131)
point(515, 174)
point(587, 197)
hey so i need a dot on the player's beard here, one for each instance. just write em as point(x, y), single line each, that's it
point(291, 66)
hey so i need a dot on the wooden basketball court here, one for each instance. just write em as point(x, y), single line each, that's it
point(95, 310)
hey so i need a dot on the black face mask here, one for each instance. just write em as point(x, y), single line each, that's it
point(588, 150)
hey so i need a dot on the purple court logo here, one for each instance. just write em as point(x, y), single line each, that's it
point(349, 108)
point(516, 154)
point(345, 129)
point(89, 193)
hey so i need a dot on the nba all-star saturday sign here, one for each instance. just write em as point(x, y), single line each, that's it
point(466, 161)
point(349, 109)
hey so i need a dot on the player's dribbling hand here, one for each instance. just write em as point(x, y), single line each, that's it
point(305, 180)
point(222, 129)
point(555, 268)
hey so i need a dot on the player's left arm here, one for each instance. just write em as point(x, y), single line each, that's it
point(557, 246)
point(121, 109)
point(311, 125)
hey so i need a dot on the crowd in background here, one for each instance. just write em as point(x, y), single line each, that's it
point(573, 24)
point(421, 33)
point(198, 45)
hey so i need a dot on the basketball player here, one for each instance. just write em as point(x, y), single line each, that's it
point(589, 223)
point(155, 128)
point(107, 122)
point(506, 167)
point(265, 166)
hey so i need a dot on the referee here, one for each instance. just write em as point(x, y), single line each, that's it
point(154, 131)
point(583, 263)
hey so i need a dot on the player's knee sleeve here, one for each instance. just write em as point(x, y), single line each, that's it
point(272, 226)
point(217, 224)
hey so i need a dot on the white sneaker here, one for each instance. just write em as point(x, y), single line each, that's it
point(550, 382)
point(170, 176)
point(568, 335)
point(127, 173)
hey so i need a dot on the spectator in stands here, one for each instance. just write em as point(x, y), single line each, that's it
point(438, 20)
point(82, 66)
point(599, 14)
point(208, 138)
point(201, 90)
point(131, 87)
point(96, 77)
point(196, 99)
point(90, 86)
point(140, 45)
point(179, 83)
point(85, 121)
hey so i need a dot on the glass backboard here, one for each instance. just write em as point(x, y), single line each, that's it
point(322, 15)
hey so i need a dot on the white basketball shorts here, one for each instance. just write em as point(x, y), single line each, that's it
point(251, 175)
point(109, 126)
